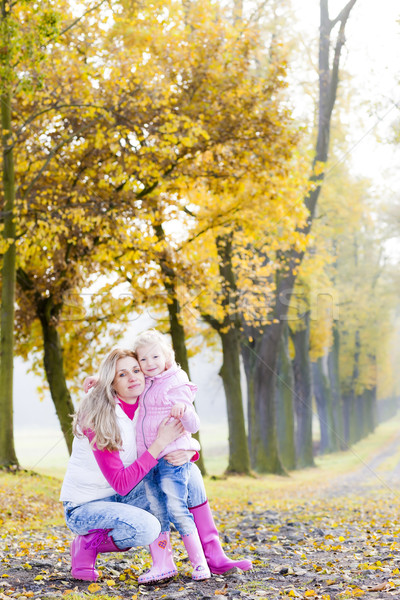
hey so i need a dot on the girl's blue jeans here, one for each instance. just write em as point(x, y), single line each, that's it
point(167, 491)
point(127, 516)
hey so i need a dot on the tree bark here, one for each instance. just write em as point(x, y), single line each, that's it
point(354, 406)
point(347, 409)
point(338, 438)
point(285, 405)
point(178, 342)
point(8, 456)
point(371, 410)
point(260, 357)
point(303, 395)
point(356, 418)
point(365, 411)
point(175, 321)
point(323, 399)
point(48, 311)
point(239, 461)
point(229, 333)
point(54, 367)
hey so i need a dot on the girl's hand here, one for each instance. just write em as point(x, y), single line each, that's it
point(179, 457)
point(178, 410)
point(89, 383)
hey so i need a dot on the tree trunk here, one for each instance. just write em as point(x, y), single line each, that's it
point(229, 333)
point(365, 414)
point(347, 409)
point(371, 412)
point(239, 461)
point(260, 362)
point(179, 345)
point(323, 399)
point(175, 322)
point(285, 406)
point(338, 438)
point(370, 408)
point(365, 422)
point(359, 420)
point(351, 417)
point(355, 404)
point(54, 368)
point(8, 456)
point(303, 395)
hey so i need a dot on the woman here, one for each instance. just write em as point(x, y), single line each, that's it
point(103, 496)
point(104, 501)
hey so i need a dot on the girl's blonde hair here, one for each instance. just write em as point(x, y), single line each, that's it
point(97, 410)
point(152, 336)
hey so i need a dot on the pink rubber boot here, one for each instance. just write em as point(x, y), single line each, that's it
point(196, 556)
point(216, 559)
point(109, 546)
point(84, 550)
point(163, 560)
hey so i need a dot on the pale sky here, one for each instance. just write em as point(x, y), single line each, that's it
point(370, 56)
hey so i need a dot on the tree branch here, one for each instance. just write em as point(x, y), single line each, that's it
point(334, 80)
point(344, 13)
point(211, 321)
point(51, 155)
point(57, 107)
point(78, 19)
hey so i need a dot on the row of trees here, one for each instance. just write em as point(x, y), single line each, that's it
point(156, 159)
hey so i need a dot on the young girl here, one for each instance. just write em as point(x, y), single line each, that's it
point(168, 393)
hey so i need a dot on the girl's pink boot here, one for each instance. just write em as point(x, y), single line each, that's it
point(163, 560)
point(196, 556)
point(216, 559)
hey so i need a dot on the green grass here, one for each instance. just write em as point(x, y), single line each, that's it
point(40, 492)
point(42, 450)
point(50, 457)
point(305, 481)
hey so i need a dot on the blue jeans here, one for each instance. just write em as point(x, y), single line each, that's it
point(167, 491)
point(196, 491)
point(127, 516)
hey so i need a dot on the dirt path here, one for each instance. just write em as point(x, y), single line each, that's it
point(341, 543)
point(371, 474)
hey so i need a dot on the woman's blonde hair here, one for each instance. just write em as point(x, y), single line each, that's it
point(97, 410)
point(152, 336)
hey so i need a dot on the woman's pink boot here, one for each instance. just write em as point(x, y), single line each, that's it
point(84, 550)
point(217, 561)
point(163, 560)
point(196, 556)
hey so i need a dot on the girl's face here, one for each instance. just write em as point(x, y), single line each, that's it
point(151, 359)
point(129, 380)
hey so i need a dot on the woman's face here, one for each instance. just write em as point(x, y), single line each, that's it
point(129, 380)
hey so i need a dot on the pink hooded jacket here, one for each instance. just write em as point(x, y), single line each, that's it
point(160, 394)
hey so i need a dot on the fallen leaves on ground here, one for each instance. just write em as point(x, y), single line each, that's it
point(322, 547)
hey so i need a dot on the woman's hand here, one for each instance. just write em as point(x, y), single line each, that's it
point(168, 431)
point(89, 383)
point(177, 458)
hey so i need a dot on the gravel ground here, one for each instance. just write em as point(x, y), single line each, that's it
point(341, 543)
